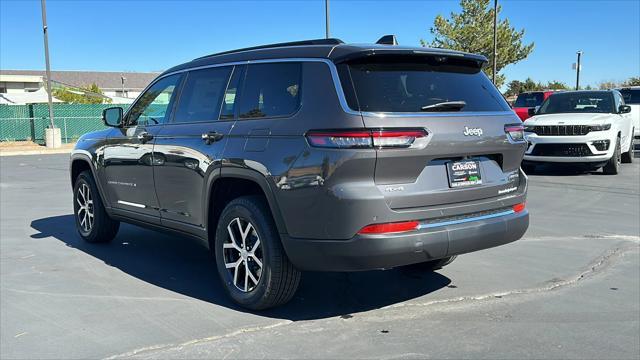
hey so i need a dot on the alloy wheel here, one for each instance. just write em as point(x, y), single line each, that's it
point(85, 210)
point(242, 254)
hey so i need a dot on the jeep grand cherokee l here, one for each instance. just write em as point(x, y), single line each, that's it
point(313, 155)
point(592, 128)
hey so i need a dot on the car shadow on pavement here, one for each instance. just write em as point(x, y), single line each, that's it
point(184, 265)
point(563, 170)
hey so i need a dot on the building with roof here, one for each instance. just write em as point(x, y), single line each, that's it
point(115, 85)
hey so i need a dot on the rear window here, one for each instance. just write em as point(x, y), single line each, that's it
point(631, 96)
point(395, 86)
point(529, 100)
point(271, 90)
point(578, 102)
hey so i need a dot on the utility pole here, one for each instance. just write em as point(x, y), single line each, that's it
point(495, 41)
point(46, 57)
point(326, 17)
point(578, 70)
point(123, 79)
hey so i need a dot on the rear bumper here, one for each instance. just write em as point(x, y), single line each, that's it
point(368, 252)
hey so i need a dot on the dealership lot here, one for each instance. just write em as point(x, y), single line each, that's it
point(569, 289)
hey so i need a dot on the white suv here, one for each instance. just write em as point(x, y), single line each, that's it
point(593, 128)
point(631, 97)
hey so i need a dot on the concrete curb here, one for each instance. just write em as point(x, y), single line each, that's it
point(34, 152)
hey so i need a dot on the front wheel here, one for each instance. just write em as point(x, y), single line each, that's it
point(92, 221)
point(250, 259)
point(613, 165)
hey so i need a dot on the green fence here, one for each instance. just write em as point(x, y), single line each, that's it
point(27, 122)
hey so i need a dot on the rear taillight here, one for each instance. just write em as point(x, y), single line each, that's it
point(519, 207)
point(515, 131)
point(369, 138)
point(390, 227)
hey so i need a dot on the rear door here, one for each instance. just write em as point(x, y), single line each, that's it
point(464, 116)
point(189, 149)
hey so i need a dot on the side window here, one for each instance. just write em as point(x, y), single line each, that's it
point(201, 95)
point(231, 95)
point(154, 106)
point(271, 90)
point(618, 101)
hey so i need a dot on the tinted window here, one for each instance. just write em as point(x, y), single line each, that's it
point(231, 95)
point(396, 86)
point(202, 95)
point(618, 100)
point(271, 90)
point(631, 96)
point(578, 102)
point(529, 100)
point(154, 106)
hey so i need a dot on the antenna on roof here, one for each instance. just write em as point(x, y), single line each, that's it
point(387, 40)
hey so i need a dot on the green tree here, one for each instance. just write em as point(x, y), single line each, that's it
point(472, 31)
point(632, 81)
point(88, 94)
point(556, 85)
point(605, 85)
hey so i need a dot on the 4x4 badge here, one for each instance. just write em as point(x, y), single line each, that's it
point(472, 131)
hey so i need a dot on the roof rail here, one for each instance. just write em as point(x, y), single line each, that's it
point(330, 41)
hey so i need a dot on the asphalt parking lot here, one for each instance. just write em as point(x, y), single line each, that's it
point(569, 289)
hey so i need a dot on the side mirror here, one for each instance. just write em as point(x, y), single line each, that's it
point(531, 111)
point(112, 116)
point(624, 109)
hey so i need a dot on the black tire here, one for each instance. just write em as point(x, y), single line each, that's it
point(627, 156)
point(433, 264)
point(100, 227)
point(277, 279)
point(613, 165)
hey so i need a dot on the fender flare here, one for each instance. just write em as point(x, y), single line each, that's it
point(256, 177)
point(85, 156)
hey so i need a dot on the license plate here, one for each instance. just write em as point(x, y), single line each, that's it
point(464, 173)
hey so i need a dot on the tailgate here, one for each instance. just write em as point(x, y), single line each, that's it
point(419, 177)
point(464, 116)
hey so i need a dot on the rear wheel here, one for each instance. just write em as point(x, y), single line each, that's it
point(250, 259)
point(433, 264)
point(613, 165)
point(92, 221)
point(627, 156)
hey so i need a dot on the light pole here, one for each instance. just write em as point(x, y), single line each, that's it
point(46, 57)
point(326, 19)
point(578, 70)
point(495, 40)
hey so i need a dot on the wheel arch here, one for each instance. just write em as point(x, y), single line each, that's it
point(232, 183)
point(81, 161)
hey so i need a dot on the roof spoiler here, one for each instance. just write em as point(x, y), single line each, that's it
point(387, 40)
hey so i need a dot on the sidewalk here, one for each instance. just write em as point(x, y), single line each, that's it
point(12, 148)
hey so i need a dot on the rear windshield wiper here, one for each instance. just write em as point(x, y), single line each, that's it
point(445, 106)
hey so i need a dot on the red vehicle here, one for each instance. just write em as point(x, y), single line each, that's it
point(527, 100)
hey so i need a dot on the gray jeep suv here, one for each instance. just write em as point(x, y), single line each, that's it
point(312, 155)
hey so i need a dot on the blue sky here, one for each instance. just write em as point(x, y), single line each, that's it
point(154, 35)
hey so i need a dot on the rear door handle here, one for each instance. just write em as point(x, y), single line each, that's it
point(212, 136)
point(145, 137)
